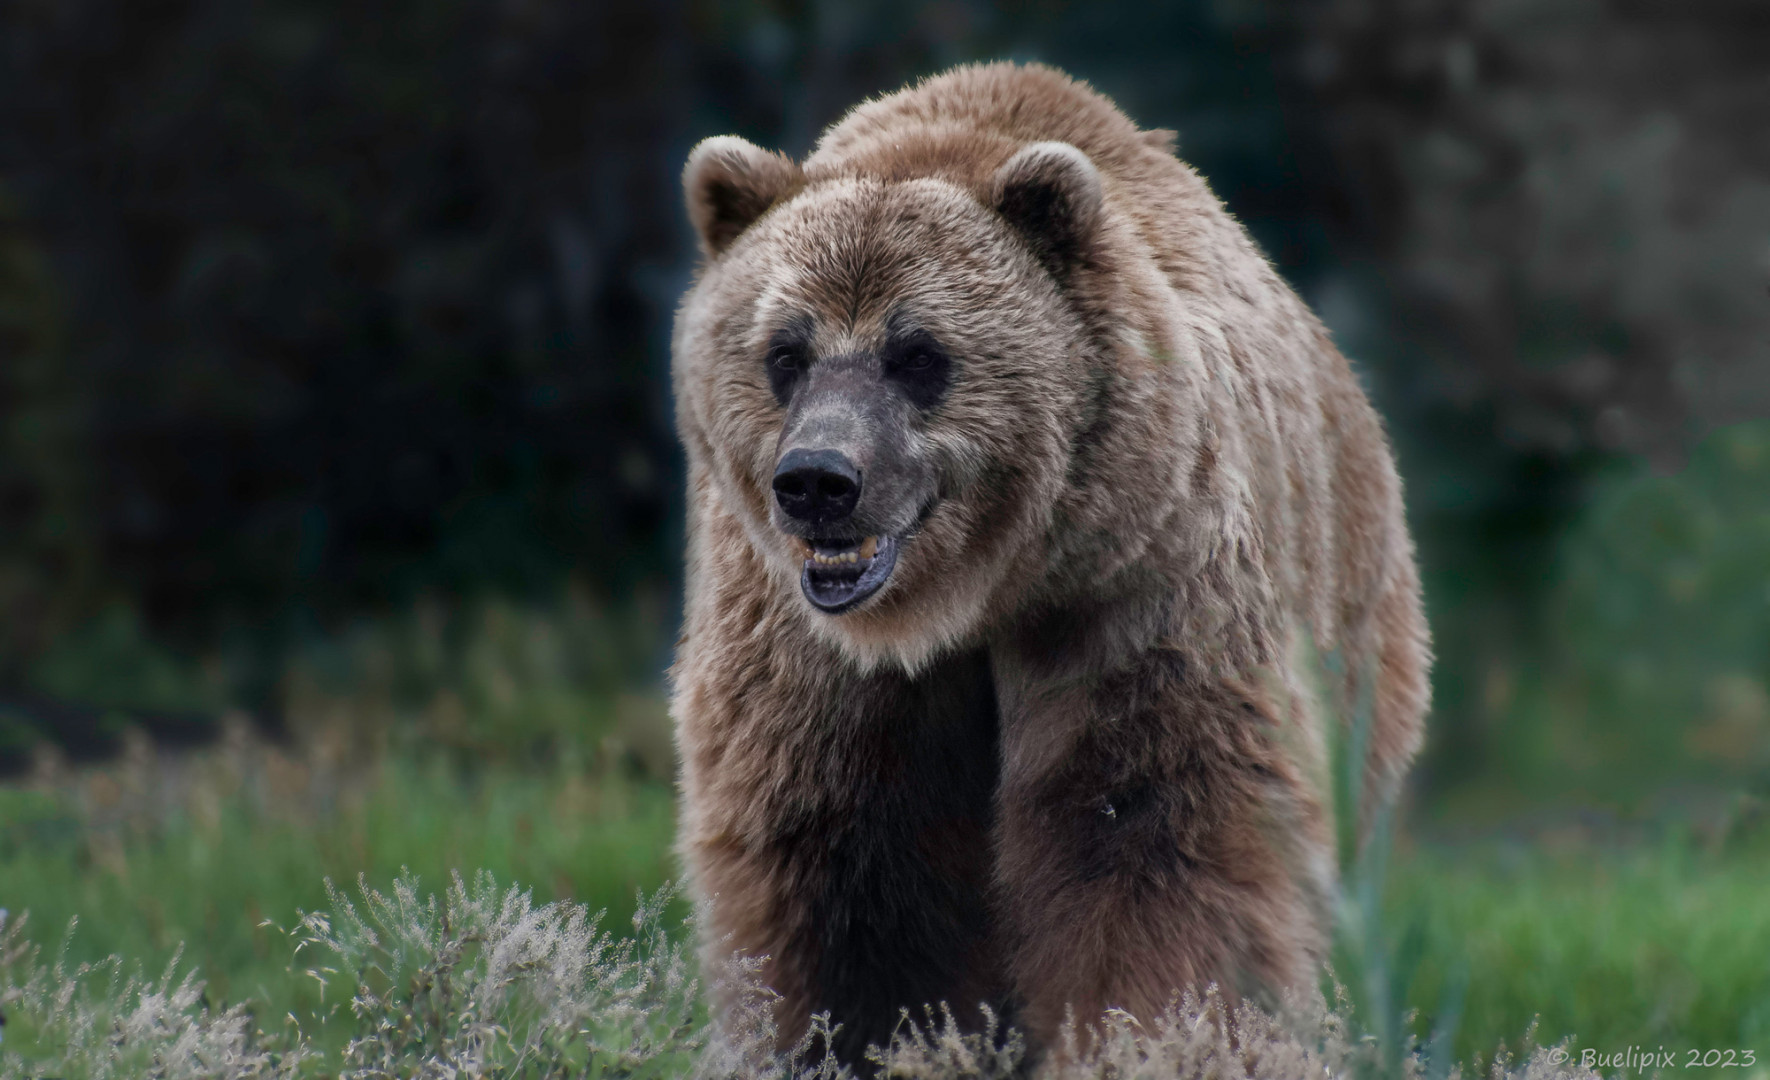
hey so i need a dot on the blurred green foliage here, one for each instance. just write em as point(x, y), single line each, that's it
point(1645, 673)
point(490, 682)
point(1663, 618)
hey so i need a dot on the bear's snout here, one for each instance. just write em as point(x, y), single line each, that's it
point(818, 487)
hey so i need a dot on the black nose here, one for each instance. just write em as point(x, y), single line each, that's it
point(819, 487)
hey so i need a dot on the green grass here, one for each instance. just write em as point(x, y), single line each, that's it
point(1664, 942)
point(1657, 944)
point(211, 869)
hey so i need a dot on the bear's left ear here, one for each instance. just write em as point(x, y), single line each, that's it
point(729, 183)
point(1050, 191)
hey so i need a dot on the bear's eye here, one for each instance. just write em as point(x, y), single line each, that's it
point(920, 369)
point(785, 362)
point(785, 358)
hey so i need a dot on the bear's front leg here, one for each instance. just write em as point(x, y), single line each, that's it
point(837, 820)
point(1153, 838)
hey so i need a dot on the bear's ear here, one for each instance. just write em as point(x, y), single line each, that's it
point(730, 183)
point(1050, 191)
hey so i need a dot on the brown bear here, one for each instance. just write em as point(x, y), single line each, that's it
point(1021, 492)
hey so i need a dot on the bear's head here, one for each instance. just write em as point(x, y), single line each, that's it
point(883, 378)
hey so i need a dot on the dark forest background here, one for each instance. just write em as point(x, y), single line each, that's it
point(327, 328)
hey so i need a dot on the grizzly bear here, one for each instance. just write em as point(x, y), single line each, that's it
point(1021, 493)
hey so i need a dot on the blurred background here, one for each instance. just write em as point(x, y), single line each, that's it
point(341, 516)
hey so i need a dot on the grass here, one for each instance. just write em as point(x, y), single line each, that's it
point(218, 851)
point(1614, 944)
point(1649, 944)
point(482, 982)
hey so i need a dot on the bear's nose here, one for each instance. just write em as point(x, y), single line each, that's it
point(818, 487)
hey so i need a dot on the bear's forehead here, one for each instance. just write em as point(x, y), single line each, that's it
point(852, 255)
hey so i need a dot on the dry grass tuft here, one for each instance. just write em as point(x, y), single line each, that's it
point(103, 1021)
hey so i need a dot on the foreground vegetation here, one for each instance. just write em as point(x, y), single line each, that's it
point(1647, 940)
point(482, 982)
point(213, 853)
point(1651, 941)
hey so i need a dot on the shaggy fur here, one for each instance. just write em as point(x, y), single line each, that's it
point(1068, 756)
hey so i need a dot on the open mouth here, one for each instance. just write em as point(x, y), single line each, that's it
point(841, 573)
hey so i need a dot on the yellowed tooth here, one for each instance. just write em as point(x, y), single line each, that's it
point(849, 556)
point(869, 547)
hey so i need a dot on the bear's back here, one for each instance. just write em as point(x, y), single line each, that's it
point(963, 125)
point(978, 116)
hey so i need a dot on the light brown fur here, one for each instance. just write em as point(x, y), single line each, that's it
point(1161, 488)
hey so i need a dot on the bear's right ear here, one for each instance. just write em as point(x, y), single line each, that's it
point(1050, 191)
point(730, 183)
